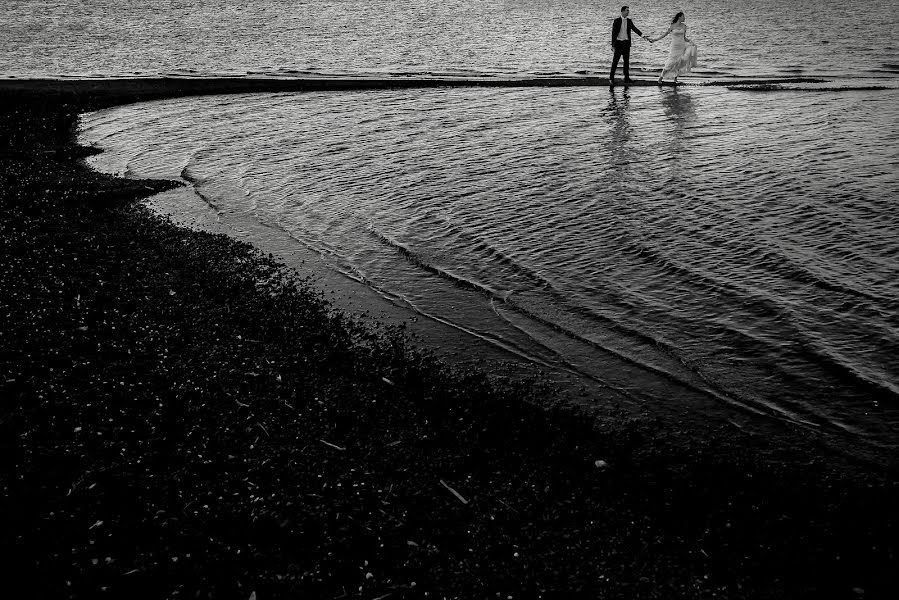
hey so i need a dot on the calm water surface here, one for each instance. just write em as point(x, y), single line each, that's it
point(731, 247)
point(745, 37)
point(735, 245)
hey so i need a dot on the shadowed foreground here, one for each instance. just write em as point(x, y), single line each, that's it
point(183, 417)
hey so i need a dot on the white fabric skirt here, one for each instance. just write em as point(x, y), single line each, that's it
point(682, 58)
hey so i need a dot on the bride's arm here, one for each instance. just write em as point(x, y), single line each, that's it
point(661, 36)
point(686, 39)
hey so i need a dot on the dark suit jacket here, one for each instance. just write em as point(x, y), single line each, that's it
point(616, 27)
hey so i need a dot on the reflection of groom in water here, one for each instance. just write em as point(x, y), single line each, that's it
point(621, 42)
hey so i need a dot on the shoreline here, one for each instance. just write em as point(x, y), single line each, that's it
point(119, 90)
point(456, 345)
point(183, 420)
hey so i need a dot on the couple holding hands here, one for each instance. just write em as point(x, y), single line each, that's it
point(681, 58)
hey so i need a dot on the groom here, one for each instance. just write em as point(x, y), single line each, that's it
point(621, 42)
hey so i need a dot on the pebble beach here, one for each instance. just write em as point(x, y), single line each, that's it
point(184, 416)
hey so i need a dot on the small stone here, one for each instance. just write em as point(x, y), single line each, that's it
point(601, 464)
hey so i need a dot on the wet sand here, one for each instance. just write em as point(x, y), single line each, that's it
point(183, 417)
point(113, 90)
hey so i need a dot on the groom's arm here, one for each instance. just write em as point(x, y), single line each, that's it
point(634, 28)
point(616, 24)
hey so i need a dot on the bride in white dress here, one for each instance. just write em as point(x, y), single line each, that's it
point(682, 57)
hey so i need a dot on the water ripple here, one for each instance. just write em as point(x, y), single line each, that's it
point(741, 253)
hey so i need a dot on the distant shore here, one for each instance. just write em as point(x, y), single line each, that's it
point(184, 417)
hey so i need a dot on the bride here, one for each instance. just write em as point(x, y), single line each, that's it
point(682, 57)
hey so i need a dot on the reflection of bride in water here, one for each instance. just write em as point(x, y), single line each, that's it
point(683, 55)
point(678, 107)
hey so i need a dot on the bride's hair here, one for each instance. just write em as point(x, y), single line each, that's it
point(676, 17)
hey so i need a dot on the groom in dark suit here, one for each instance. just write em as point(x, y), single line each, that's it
point(621, 43)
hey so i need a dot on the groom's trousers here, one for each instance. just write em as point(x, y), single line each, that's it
point(622, 49)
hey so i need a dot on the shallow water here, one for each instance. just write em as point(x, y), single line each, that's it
point(745, 38)
point(704, 246)
point(734, 245)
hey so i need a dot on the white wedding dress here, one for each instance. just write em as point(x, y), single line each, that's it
point(683, 55)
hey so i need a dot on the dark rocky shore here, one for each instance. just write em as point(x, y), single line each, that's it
point(182, 417)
